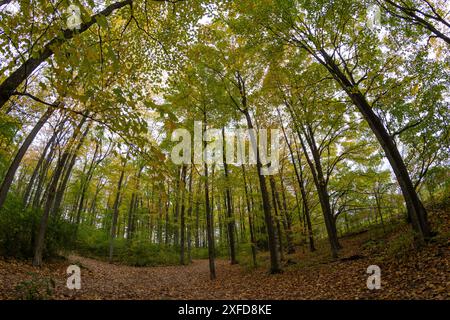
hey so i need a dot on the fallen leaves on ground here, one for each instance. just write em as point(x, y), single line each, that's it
point(419, 274)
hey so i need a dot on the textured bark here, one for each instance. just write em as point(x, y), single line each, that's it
point(228, 205)
point(275, 266)
point(277, 219)
point(9, 177)
point(189, 215)
point(209, 224)
point(182, 216)
point(415, 208)
point(52, 193)
point(299, 176)
point(250, 219)
point(116, 211)
point(68, 170)
point(28, 191)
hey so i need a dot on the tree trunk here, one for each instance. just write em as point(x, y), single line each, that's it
point(209, 227)
point(116, 211)
point(68, 170)
point(9, 177)
point(28, 191)
point(228, 205)
point(275, 266)
point(182, 217)
point(189, 224)
point(250, 220)
point(415, 208)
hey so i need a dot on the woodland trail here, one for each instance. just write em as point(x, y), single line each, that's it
point(409, 273)
point(421, 275)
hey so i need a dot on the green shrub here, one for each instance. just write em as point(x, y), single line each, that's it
point(401, 245)
point(36, 288)
point(137, 252)
point(19, 226)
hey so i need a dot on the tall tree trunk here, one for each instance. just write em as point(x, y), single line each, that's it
point(182, 217)
point(176, 209)
point(319, 181)
point(415, 208)
point(299, 176)
point(275, 266)
point(250, 220)
point(68, 171)
point(28, 191)
point(85, 184)
point(116, 211)
point(9, 177)
point(189, 224)
point(209, 226)
point(287, 218)
point(228, 205)
point(52, 190)
point(277, 219)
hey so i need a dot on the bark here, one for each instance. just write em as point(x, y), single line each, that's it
point(209, 226)
point(182, 217)
point(43, 176)
point(277, 219)
point(189, 223)
point(116, 211)
point(68, 170)
point(415, 208)
point(176, 209)
point(287, 219)
point(9, 177)
point(228, 205)
point(85, 184)
point(275, 266)
point(300, 182)
point(28, 191)
point(250, 219)
point(133, 206)
point(318, 178)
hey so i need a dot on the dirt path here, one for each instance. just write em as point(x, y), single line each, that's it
point(415, 274)
point(424, 275)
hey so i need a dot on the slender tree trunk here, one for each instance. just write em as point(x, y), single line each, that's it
point(116, 211)
point(275, 266)
point(85, 184)
point(228, 205)
point(28, 192)
point(300, 181)
point(319, 182)
point(209, 226)
point(176, 210)
point(287, 219)
point(277, 219)
point(415, 208)
point(68, 171)
point(182, 217)
point(189, 224)
point(49, 204)
point(9, 177)
point(250, 220)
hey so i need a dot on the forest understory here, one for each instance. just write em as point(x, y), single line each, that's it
point(406, 273)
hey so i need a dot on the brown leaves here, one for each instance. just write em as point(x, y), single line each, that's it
point(419, 274)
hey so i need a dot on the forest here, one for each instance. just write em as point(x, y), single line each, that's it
point(217, 149)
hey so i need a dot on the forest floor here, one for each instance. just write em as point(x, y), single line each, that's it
point(406, 273)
